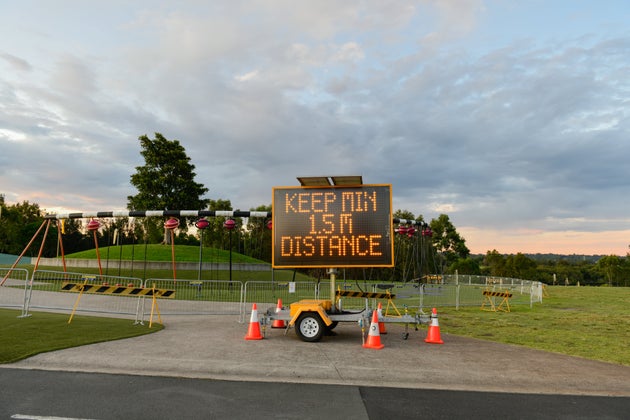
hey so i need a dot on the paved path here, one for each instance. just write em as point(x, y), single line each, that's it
point(213, 347)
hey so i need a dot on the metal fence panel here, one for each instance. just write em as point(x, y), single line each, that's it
point(197, 297)
point(45, 293)
point(208, 297)
point(13, 292)
point(268, 293)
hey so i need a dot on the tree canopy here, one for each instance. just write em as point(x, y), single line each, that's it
point(165, 181)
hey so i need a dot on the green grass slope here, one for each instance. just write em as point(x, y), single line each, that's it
point(43, 332)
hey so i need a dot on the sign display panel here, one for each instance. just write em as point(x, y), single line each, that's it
point(332, 226)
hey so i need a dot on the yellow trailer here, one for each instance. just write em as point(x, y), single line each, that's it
point(314, 318)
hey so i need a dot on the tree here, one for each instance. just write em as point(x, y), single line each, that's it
point(610, 266)
point(495, 263)
point(447, 241)
point(18, 224)
point(414, 255)
point(215, 235)
point(406, 214)
point(166, 181)
point(467, 266)
point(257, 236)
point(520, 266)
point(74, 236)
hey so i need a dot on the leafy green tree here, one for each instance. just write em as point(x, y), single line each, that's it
point(495, 263)
point(406, 214)
point(447, 241)
point(468, 266)
point(405, 253)
point(215, 235)
point(610, 266)
point(520, 266)
point(257, 236)
point(165, 181)
point(18, 225)
point(414, 255)
point(74, 237)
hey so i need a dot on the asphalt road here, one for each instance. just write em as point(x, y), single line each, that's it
point(35, 394)
point(202, 367)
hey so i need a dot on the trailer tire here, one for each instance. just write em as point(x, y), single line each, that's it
point(309, 327)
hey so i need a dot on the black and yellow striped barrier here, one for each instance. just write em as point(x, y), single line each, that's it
point(366, 295)
point(488, 299)
point(497, 293)
point(105, 289)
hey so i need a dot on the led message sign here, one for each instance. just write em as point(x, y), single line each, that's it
point(332, 226)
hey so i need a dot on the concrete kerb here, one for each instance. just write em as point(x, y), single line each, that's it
point(213, 347)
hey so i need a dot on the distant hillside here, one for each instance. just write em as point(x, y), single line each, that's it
point(156, 252)
point(572, 258)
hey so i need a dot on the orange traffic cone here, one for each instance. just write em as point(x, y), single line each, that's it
point(381, 324)
point(433, 335)
point(374, 338)
point(278, 323)
point(253, 333)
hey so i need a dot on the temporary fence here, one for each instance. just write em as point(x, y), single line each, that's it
point(45, 291)
point(198, 297)
point(14, 289)
point(524, 291)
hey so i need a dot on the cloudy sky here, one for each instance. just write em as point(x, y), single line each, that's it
point(510, 116)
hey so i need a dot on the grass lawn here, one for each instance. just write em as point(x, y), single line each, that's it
point(157, 252)
point(590, 322)
point(212, 274)
point(43, 332)
point(110, 257)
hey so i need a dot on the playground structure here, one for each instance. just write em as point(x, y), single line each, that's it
point(329, 311)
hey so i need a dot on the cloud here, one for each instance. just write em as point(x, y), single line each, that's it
point(16, 63)
point(519, 137)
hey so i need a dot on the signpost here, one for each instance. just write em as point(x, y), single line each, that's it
point(333, 226)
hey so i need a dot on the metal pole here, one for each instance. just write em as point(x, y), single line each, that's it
point(200, 254)
point(332, 272)
point(230, 256)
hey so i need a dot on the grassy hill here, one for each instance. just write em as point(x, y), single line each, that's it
point(157, 252)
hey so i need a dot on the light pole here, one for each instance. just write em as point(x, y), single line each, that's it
point(229, 224)
point(93, 226)
point(269, 225)
point(171, 224)
point(201, 224)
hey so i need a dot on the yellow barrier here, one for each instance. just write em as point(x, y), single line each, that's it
point(106, 289)
point(118, 290)
point(490, 295)
point(366, 295)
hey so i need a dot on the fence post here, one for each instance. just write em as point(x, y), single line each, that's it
point(421, 297)
point(457, 297)
point(25, 301)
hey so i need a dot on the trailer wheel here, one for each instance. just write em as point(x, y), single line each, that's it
point(309, 327)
